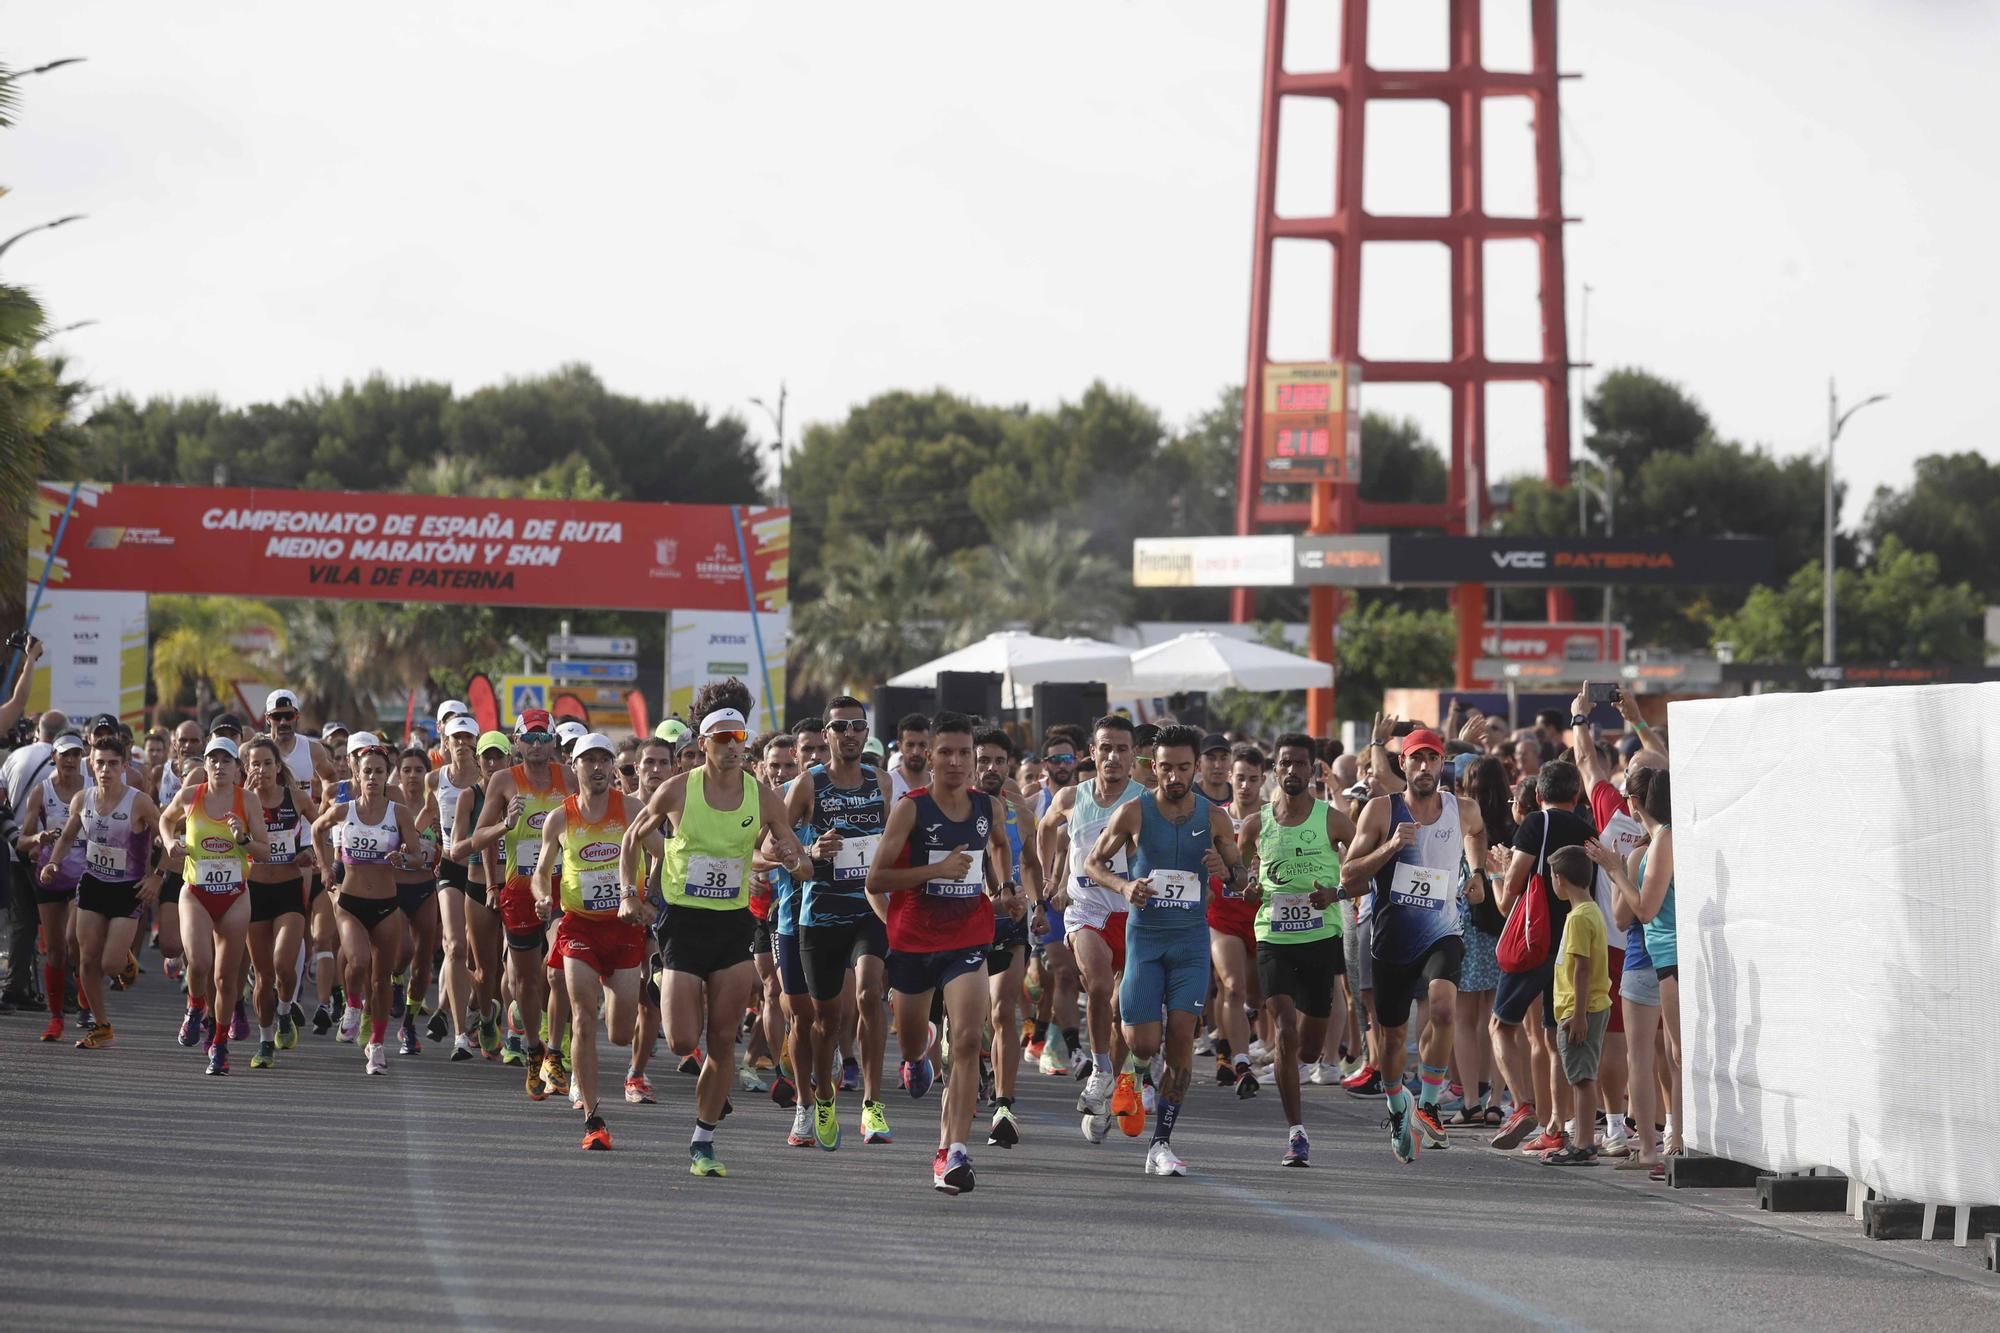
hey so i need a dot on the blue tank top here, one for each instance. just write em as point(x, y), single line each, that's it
point(835, 895)
point(1013, 846)
point(1171, 854)
point(1416, 895)
point(1662, 944)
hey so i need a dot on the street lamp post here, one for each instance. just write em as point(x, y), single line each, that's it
point(778, 420)
point(1835, 419)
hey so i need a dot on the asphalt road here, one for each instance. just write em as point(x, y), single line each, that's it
point(140, 1191)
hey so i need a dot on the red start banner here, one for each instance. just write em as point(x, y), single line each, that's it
point(1554, 642)
point(423, 548)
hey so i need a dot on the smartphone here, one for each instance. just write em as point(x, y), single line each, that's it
point(1606, 693)
point(1403, 728)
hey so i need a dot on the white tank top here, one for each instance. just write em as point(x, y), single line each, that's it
point(1086, 820)
point(300, 761)
point(447, 799)
point(365, 844)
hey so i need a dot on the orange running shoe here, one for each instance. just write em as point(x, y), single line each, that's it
point(596, 1138)
point(1125, 1104)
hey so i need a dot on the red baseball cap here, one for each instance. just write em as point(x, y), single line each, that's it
point(1422, 739)
point(533, 719)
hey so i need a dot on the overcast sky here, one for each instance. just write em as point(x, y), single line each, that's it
point(702, 199)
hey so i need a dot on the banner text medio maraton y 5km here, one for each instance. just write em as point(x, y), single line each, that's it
point(437, 548)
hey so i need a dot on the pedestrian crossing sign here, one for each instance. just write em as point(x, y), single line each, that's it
point(520, 693)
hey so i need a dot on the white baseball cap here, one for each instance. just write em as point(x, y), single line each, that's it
point(593, 741)
point(363, 740)
point(462, 725)
point(280, 699)
point(569, 729)
point(66, 742)
point(222, 743)
point(332, 729)
point(723, 719)
point(452, 707)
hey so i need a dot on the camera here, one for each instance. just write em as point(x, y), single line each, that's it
point(1606, 693)
point(17, 641)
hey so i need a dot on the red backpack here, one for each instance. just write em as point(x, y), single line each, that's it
point(1524, 944)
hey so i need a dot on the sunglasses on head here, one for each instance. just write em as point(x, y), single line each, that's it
point(726, 735)
point(841, 726)
point(532, 736)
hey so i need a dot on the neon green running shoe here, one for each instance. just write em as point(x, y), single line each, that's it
point(702, 1161)
point(874, 1124)
point(265, 1057)
point(826, 1126)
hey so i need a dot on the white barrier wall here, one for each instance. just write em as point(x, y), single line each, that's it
point(1837, 887)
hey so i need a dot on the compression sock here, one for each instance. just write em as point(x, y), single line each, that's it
point(378, 1029)
point(703, 1132)
point(266, 1034)
point(1041, 1030)
point(1163, 1123)
point(1433, 1080)
point(52, 983)
point(1399, 1098)
point(1222, 1048)
point(198, 1003)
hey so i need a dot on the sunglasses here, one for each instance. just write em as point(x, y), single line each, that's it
point(284, 715)
point(531, 737)
point(629, 770)
point(738, 736)
point(1062, 758)
point(843, 726)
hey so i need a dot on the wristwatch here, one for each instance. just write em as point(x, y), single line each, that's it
point(626, 891)
point(1578, 720)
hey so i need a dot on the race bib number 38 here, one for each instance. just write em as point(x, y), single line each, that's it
point(715, 877)
point(1421, 887)
point(1176, 888)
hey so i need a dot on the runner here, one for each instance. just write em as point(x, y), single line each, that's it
point(1376, 775)
point(278, 896)
point(117, 823)
point(311, 767)
point(842, 942)
point(417, 895)
point(218, 830)
point(1408, 847)
point(48, 807)
point(908, 767)
point(720, 814)
point(482, 901)
point(1094, 918)
point(1294, 847)
point(600, 941)
point(1178, 842)
point(378, 837)
point(1007, 959)
point(943, 868)
point(517, 804)
point(1052, 971)
point(655, 765)
point(1232, 937)
point(450, 783)
point(780, 765)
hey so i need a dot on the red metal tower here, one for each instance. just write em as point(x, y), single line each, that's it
point(1336, 507)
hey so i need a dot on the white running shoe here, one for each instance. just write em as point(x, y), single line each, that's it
point(1160, 1161)
point(802, 1124)
point(1095, 1099)
point(1052, 1064)
point(1079, 1064)
point(1095, 1127)
point(350, 1025)
point(378, 1058)
point(1204, 1045)
point(1318, 1075)
point(1147, 1099)
point(1259, 1053)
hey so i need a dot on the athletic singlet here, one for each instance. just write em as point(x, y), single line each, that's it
point(944, 914)
point(364, 844)
point(523, 845)
point(707, 862)
point(1013, 846)
point(281, 826)
point(1171, 855)
point(300, 761)
point(55, 814)
point(835, 896)
point(114, 853)
point(216, 861)
point(1087, 819)
point(1289, 859)
point(447, 799)
point(1416, 895)
point(590, 857)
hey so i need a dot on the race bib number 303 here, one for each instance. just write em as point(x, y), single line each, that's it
point(1293, 913)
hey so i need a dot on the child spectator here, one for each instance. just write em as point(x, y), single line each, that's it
point(1583, 1000)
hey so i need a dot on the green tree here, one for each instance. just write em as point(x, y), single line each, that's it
point(1952, 510)
point(1383, 645)
point(1262, 713)
point(196, 657)
point(1040, 577)
point(1895, 609)
point(883, 607)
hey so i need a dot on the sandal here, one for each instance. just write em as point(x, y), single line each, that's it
point(1571, 1155)
point(1467, 1115)
point(1494, 1115)
point(1659, 1172)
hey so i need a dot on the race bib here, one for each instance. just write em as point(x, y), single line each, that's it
point(598, 889)
point(971, 886)
point(216, 874)
point(1180, 889)
point(106, 861)
point(527, 855)
point(717, 877)
point(366, 848)
point(1294, 913)
point(1420, 887)
point(284, 844)
point(1121, 864)
point(856, 854)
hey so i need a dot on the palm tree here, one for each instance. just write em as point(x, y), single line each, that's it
point(1039, 577)
point(195, 645)
point(884, 607)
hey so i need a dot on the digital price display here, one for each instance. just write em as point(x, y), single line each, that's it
point(1311, 425)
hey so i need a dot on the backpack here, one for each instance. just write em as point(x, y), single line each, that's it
point(1524, 944)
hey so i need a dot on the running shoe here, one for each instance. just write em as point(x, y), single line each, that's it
point(378, 1058)
point(875, 1124)
point(322, 1021)
point(1004, 1132)
point(702, 1161)
point(747, 1079)
point(84, 1018)
point(54, 1031)
point(265, 1055)
point(191, 1025)
point(173, 969)
point(1149, 1100)
point(1161, 1161)
point(537, 1089)
point(850, 1075)
point(399, 995)
point(288, 1028)
point(218, 1058)
point(1096, 1128)
point(639, 1091)
point(1517, 1127)
point(1297, 1150)
point(1204, 1044)
point(130, 973)
point(1431, 1127)
point(1225, 1073)
point(1545, 1142)
point(1402, 1140)
point(1033, 1048)
point(826, 1127)
point(918, 1077)
point(407, 1043)
point(1364, 1082)
point(784, 1092)
point(438, 1026)
point(1095, 1095)
point(511, 1053)
point(489, 1036)
point(596, 1138)
point(1319, 1075)
point(350, 1027)
point(1259, 1053)
point(1079, 1065)
point(1127, 1105)
point(1051, 1063)
point(239, 1023)
point(298, 1015)
point(1247, 1085)
point(95, 1036)
point(802, 1127)
point(951, 1172)
point(462, 1049)
point(691, 1065)
point(554, 1075)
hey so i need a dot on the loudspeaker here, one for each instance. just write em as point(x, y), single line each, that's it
point(1190, 708)
point(1079, 704)
point(891, 703)
point(974, 693)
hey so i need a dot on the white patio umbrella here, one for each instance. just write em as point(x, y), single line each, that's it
point(1024, 659)
point(1205, 660)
